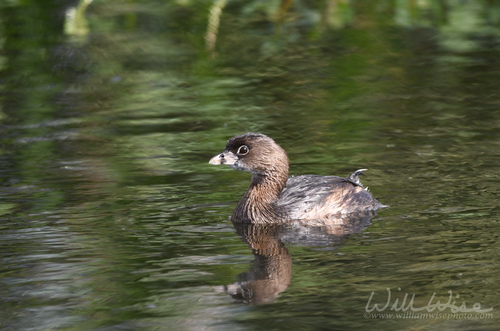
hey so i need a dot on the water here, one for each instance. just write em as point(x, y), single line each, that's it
point(111, 217)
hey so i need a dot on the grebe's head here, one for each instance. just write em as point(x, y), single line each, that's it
point(255, 153)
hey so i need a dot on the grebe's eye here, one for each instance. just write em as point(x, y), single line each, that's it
point(243, 150)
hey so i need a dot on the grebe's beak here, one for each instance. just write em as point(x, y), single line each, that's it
point(224, 158)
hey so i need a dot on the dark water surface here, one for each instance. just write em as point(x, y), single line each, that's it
point(112, 219)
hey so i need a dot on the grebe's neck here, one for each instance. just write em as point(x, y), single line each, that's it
point(259, 204)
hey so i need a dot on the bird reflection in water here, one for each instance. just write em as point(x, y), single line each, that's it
point(272, 269)
point(271, 272)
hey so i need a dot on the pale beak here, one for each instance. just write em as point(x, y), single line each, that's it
point(224, 158)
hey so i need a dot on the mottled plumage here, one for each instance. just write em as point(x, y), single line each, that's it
point(313, 196)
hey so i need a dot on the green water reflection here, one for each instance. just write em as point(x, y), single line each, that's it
point(111, 217)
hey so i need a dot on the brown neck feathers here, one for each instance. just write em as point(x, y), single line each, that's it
point(259, 204)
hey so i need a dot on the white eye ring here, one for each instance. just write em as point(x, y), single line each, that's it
point(243, 150)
